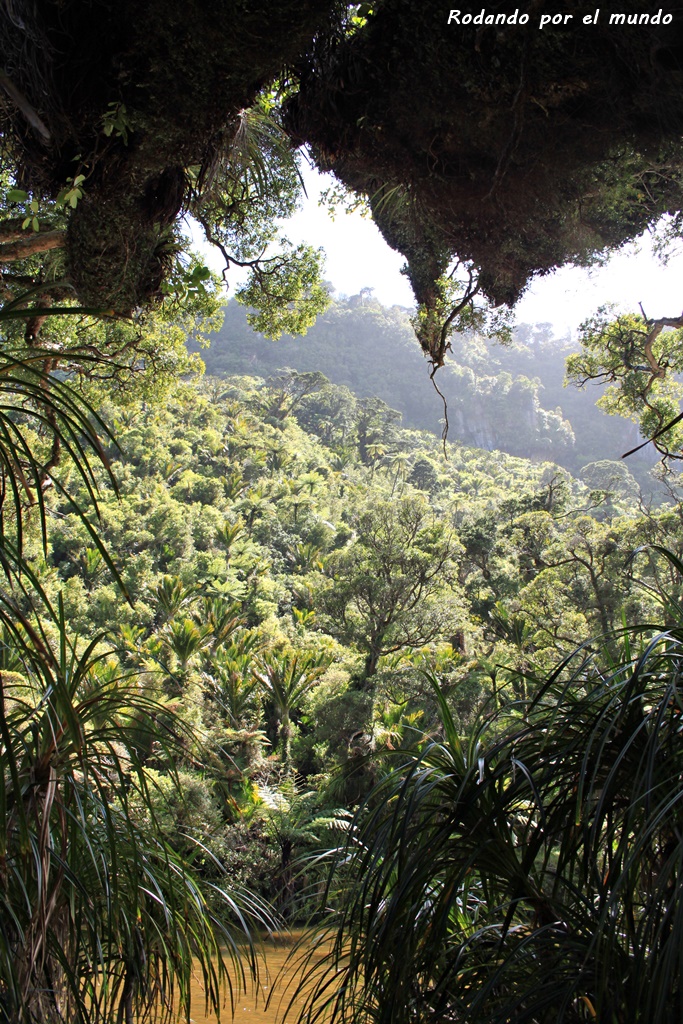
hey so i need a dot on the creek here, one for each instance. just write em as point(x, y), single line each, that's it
point(250, 1005)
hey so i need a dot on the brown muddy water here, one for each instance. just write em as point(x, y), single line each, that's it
point(278, 979)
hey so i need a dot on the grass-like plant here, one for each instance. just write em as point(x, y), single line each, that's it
point(48, 433)
point(533, 873)
point(100, 920)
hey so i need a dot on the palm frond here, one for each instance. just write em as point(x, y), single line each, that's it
point(100, 918)
point(47, 432)
point(531, 873)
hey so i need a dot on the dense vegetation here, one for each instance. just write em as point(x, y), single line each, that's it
point(531, 871)
point(266, 655)
point(297, 572)
point(294, 503)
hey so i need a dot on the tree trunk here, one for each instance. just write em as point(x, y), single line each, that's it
point(286, 739)
point(372, 660)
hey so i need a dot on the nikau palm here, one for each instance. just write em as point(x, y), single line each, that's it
point(287, 677)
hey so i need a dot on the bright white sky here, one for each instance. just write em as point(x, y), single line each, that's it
point(358, 257)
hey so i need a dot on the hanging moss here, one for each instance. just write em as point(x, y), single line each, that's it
point(516, 148)
point(131, 94)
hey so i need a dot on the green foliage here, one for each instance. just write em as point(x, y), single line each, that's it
point(387, 588)
point(453, 309)
point(293, 560)
point(239, 502)
point(286, 677)
point(531, 870)
point(509, 398)
point(41, 416)
point(286, 292)
point(233, 682)
point(212, 146)
point(91, 887)
point(640, 361)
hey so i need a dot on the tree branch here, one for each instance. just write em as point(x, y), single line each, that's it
point(32, 244)
point(662, 430)
point(656, 328)
point(11, 229)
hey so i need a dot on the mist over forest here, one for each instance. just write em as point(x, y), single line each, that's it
point(509, 397)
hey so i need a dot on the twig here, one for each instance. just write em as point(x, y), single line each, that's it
point(662, 430)
point(23, 106)
point(444, 433)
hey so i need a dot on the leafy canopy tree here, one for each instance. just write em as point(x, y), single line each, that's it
point(640, 359)
point(388, 586)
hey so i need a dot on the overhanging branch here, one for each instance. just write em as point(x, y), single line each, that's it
point(36, 242)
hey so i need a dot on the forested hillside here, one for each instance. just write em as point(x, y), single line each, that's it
point(294, 562)
point(510, 398)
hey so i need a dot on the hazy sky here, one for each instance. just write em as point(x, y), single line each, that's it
point(358, 257)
